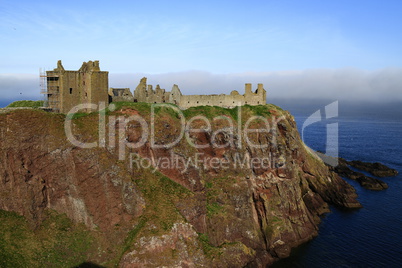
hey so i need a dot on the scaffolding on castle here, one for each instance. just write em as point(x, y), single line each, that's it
point(50, 89)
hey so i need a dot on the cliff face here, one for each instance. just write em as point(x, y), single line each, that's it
point(174, 205)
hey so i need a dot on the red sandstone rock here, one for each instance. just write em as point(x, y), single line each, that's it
point(232, 217)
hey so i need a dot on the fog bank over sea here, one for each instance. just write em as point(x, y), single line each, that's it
point(388, 111)
point(346, 84)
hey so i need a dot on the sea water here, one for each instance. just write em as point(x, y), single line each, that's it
point(367, 237)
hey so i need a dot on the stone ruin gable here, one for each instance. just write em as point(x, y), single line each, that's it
point(66, 89)
point(146, 93)
point(255, 98)
point(175, 95)
point(140, 92)
point(120, 94)
point(159, 95)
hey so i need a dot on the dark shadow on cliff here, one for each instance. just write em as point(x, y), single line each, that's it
point(88, 265)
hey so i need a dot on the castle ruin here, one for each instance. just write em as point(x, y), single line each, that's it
point(67, 89)
point(146, 93)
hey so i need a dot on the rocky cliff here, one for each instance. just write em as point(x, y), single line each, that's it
point(215, 199)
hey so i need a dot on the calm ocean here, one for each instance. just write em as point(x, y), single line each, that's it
point(371, 236)
point(4, 103)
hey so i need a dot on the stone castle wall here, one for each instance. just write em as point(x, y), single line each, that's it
point(229, 101)
point(67, 89)
point(146, 93)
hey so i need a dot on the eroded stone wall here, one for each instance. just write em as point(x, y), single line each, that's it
point(121, 94)
point(145, 93)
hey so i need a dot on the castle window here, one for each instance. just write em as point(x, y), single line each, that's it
point(188, 102)
point(83, 82)
point(71, 90)
point(233, 102)
point(135, 100)
point(258, 102)
point(197, 101)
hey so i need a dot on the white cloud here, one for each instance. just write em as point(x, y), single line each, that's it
point(19, 86)
point(340, 84)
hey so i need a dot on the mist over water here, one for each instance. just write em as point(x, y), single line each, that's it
point(387, 111)
point(293, 86)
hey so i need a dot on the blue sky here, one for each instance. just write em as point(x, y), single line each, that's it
point(255, 40)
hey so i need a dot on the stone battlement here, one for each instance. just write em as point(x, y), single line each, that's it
point(66, 89)
point(146, 93)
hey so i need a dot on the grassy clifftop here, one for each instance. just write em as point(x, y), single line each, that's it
point(26, 103)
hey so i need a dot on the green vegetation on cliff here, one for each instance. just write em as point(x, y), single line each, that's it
point(26, 103)
point(57, 242)
point(207, 111)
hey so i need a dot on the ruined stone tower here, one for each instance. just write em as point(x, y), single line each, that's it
point(66, 89)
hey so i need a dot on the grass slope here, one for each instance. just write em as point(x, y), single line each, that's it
point(26, 103)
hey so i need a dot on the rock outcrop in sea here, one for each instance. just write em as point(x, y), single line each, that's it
point(343, 168)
